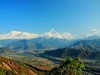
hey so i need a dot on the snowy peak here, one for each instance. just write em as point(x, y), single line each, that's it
point(50, 34)
point(14, 33)
point(26, 35)
point(55, 34)
point(18, 35)
point(52, 31)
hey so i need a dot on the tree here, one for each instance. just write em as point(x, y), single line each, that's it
point(69, 67)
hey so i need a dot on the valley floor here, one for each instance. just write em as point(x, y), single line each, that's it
point(44, 63)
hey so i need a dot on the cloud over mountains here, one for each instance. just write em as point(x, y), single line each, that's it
point(94, 32)
point(26, 35)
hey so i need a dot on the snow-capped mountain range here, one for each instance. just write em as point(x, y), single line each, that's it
point(26, 35)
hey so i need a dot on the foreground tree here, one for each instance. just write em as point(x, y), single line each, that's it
point(69, 67)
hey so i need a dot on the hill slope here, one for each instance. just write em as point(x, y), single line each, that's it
point(69, 52)
point(6, 41)
point(6, 50)
point(92, 48)
point(51, 42)
point(21, 45)
point(10, 67)
point(38, 43)
point(83, 43)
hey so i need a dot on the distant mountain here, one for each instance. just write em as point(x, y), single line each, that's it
point(92, 48)
point(74, 41)
point(18, 35)
point(69, 52)
point(11, 67)
point(38, 43)
point(4, 50)
point(83, 43)
point(26, 35)
point(54, 34)
point(42, 46)
point(88, 38)
point(92, 37)
point(21, 45)
point(51, 42)
point(4, 42)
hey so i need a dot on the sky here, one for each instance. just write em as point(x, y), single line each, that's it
point(77, 17)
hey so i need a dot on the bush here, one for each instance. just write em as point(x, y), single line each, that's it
point(69, 67)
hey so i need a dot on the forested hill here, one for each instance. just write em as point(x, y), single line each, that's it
point(51, 42)
point(92, 47)
point(70, 52)
point(38, 43)
point(21, 45)
point(83, 43)
point(4, 50)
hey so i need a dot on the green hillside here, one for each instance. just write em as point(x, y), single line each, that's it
point(83, 43)
point(92, 48)
point(69, 52)
point(6, 41)
point(51, 42)
point(6, 72)
point(4, 50)
point(21, 45)
point(38, 43)
point(42, 46)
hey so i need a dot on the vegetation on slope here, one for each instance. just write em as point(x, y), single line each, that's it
point(92, 48)
point(6, 50)
point(83, 43)
point(11, 67)
point(51, 42)
point(6, 72)
point(38, 43)
point(4, 42)
point(21, 45)
point(69, 52)
point(69, 67)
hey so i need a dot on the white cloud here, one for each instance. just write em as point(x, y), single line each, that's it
point(88, 34)
point(98, 30)
point(94, 32)
point(93, 29)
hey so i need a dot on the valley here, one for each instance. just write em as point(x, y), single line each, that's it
point(43, 57)
point(43, 63)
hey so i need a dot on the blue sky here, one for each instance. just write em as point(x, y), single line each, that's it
point(77, 17)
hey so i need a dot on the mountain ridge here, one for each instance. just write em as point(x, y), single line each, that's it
point(21, 45)
point(38, 43)
point(4, 50)
point(26, 35)
point(70, 52)
point(83, 43)
point(92, 47)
